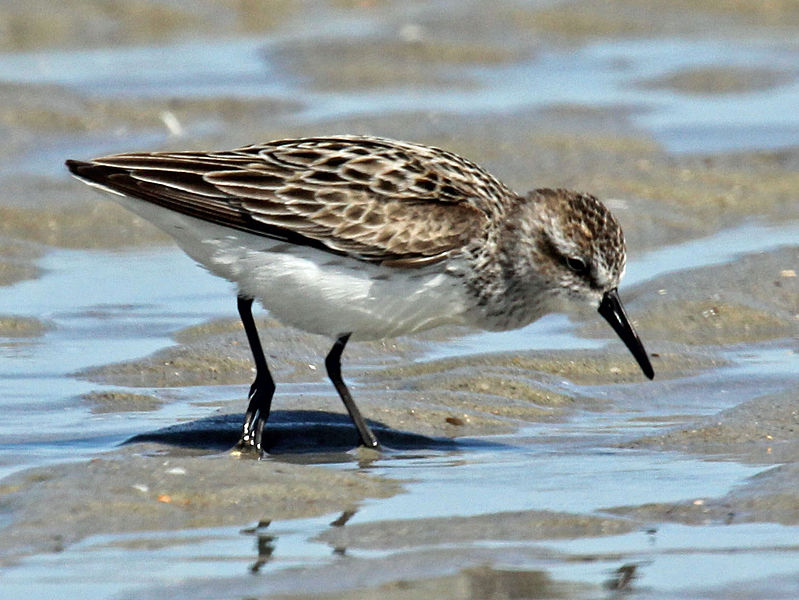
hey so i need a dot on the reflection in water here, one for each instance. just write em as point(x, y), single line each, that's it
point(622, 577)
point(343, 518)
point(340, 522)
point(265, 544)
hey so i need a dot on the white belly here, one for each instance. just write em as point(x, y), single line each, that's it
point(314, 290)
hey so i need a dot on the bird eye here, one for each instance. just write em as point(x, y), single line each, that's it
point(576, 264)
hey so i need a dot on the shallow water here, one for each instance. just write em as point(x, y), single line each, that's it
point(601, 74)
point(44, 419)
point(110, 324)
point(111, 306)
point(517, 478)
point(569, 467)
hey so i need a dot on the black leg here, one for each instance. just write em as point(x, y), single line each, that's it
point(333, 364)
point(262, 389)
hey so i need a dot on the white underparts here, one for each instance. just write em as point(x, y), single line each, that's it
point(311, 289)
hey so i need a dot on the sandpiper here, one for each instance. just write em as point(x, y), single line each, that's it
point(365, 238)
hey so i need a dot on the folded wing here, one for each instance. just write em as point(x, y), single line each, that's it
point(376, 200)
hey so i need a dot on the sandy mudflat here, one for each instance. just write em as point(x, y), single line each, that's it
point(507, 473)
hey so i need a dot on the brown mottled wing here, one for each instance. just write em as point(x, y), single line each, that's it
point(377, 200)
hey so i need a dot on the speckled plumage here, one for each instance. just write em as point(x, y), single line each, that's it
point(375, 237)
point(378, 200)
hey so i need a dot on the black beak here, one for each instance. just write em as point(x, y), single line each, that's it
point(613, 311)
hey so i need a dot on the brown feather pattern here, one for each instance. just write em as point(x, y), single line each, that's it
point(378, 200)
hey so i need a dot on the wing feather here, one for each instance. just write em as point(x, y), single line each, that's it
point(378, 200)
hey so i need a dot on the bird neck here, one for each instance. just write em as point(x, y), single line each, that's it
point(506, 290)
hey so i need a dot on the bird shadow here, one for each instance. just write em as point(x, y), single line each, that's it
point(298, 432)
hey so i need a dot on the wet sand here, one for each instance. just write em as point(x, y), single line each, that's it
point(708, 327)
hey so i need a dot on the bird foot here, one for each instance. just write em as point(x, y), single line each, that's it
point(250, 440)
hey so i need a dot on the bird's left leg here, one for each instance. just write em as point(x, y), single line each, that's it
point(262, 389)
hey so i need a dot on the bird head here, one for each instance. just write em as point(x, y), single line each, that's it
point(581, 255)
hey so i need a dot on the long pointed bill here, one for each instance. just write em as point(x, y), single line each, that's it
point(613, 311)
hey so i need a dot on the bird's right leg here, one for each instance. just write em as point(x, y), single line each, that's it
point(262, 389)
